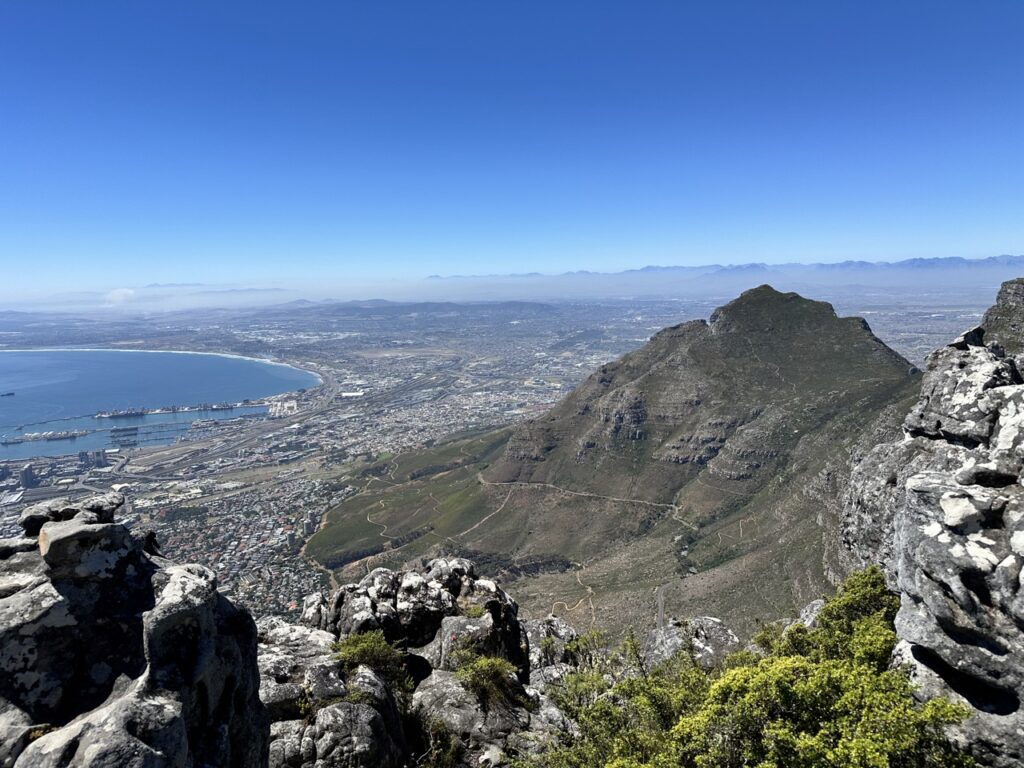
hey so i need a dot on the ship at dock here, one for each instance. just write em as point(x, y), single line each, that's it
point(32, 437)
point(126, 413)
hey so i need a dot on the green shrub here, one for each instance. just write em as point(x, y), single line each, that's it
point(441, 748)
point(473, 611)
point(818, 698)
point(547, 649)
point(794, 711)
point(374, 651)
point(590, 650)
point(490, 678)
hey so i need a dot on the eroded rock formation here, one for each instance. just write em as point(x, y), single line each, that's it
point(435, 616)
point(943, 510)
point(112, 656)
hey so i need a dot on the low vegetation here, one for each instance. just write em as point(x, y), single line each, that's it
point(810, 698)
point(374, 651)
point(490, 678)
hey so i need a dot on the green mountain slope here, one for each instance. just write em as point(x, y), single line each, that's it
point(699, 472)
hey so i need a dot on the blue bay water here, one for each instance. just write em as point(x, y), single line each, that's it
point(63, 389)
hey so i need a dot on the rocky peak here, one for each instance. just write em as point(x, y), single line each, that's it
point(113, 656)
point(765, 308)
point(1004, 321)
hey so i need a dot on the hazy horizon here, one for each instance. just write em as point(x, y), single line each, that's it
point(912, 280)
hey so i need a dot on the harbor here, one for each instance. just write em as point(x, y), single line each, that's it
point(131, 427)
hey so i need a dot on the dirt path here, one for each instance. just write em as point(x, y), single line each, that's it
point(383, 527)
point(484, 520)
point(588, 598)
point(672, 507)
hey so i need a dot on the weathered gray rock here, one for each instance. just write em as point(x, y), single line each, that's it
point(1004, 321)
point(407, 607)
point(109, 657)
point(298, 669)
point(411, 606)
point(481, 728)
point(364, 731)
point(439, 614)
point(83, 549)
point(493, 629)
point(550, 658)
point(705, 638)
point(100, 508)
point(943, 511)
point(809, 614)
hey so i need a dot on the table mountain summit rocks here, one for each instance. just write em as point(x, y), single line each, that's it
point(110, 656)
point(942, 509)
point(436, 616)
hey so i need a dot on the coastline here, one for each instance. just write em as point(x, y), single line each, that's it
point(187, 413)
point(264, 360)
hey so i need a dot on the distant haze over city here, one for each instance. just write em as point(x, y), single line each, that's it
point(970, 279)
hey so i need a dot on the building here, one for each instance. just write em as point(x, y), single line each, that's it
point(27, 477)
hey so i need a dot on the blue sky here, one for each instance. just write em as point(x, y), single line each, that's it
point(317, 143)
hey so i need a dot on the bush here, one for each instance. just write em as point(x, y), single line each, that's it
point(490, 678)
point(441, 748)
point(819, 698)
point(374, 651)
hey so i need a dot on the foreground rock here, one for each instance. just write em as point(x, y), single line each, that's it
point(110, 656)
point(324, 716)
point(943, 510)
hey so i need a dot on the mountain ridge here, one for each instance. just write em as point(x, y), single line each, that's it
point(911, 263)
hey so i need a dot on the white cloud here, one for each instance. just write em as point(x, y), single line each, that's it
point(119, 296)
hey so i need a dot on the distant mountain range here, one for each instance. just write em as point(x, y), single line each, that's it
point(973, 280)
point(1005, 260)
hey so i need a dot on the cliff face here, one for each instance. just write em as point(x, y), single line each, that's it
point(943, 510)
point(1004, 321)
point(112, 656)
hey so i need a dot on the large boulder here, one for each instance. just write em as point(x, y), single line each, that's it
point(441, 616)
point(551, 657)
point(112, 657)
point(483, 728)
point(491, 628)
point(298, 668)
point(407, 607)
point(320, 716)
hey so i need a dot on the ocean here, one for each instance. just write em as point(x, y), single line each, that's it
point(62, 390)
